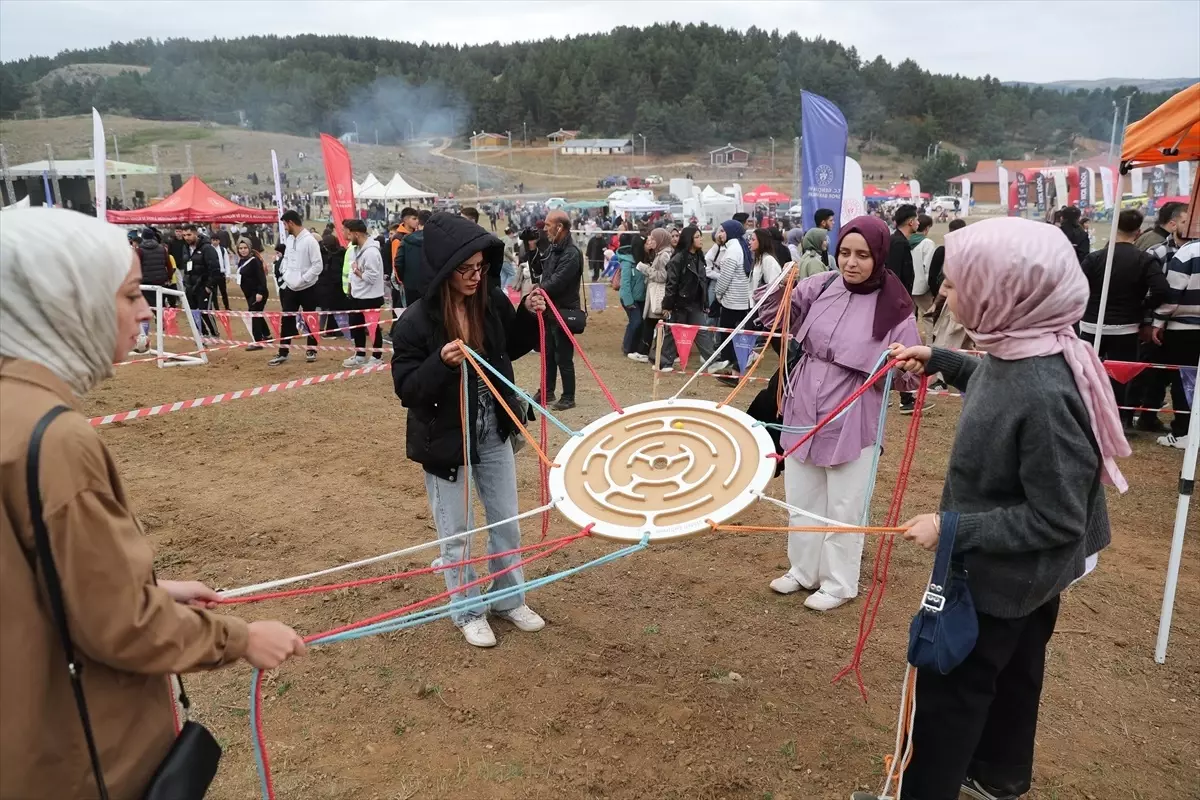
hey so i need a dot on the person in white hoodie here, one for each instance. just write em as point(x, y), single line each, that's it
point(922, 256)
point(366, 292)
point(300, 270)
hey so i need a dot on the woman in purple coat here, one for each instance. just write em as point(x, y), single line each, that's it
point(844, 324)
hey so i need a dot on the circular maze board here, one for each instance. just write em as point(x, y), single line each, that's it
point(665, 468)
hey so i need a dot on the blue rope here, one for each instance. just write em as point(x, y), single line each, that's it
point(521, 393)
point(467, 460)
point(428, 615)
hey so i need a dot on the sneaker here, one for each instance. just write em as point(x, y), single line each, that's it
point(728, 380)
point(908, 408)
point(277, 360)
point(374, 362)
point(537, 398)
point(310, 356)
point(478, 633)
point(565, 404)
point(638, 357)
point(524, 617)
point(718, 366)
point(666, 369)
point(786, 584)
point(977, 791)
point(354, 361)
point(819, 601)
point(254, 348)
point(1171, 440)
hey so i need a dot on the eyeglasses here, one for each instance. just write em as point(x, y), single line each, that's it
point(469, 269)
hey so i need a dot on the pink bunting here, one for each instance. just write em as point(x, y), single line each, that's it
point(312, 321)
point(223, 317)
point(170, 324)
point(685, 337)
point(372, 318)
point(1123, 371)
point(273, 318)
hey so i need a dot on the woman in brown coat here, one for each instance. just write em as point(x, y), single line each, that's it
point(71, 306)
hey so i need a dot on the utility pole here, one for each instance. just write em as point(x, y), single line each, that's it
point(412, 135)
point(157, 169)
point(187, 152)
point(377, 137)
point(643, 147)
point(796, 170)
point(772, 138)
point(554, 147)
point(524, 134)
point(8, 183)
point(475, 147)
point(120, 177)
point(509, 134)
point(1112, 140)
point(54, 176)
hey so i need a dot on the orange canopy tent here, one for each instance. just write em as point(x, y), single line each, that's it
point(1167, 134)
point(194, 202)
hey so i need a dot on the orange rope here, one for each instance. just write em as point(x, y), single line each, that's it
point(787, 290)
point(805, 529)
point(500, 402)
point(910, 697)
point(783, 346)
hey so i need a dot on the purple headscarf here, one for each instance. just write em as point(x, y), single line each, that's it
point(894, 304)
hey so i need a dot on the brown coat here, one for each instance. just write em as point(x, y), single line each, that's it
point(130, 635)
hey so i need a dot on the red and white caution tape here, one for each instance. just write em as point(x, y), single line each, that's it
point(184, 405)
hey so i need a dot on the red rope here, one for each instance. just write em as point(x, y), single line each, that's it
point(612, 401)
point(883, 550)
point(543, 470)
point(857, 393)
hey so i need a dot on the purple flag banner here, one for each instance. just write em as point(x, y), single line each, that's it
point(743, 346)
point(598, 296)
point(823, 135)
point(1188, 376)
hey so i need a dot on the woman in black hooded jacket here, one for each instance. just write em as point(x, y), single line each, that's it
point(462, 301)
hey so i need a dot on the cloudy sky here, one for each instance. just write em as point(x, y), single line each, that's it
point(1030, 40)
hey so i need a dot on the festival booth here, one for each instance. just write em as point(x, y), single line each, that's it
point(765, 194)
point(399, 189)
point(1168, 134)
point(194, 202)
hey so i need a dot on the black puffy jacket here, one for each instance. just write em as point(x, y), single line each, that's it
point(687, 286)
point(153, 257)
point(430, 390)
point(562, 273)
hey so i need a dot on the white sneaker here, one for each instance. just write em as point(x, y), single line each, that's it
point(374, 362)
point(354, 361)
point(667, 369)
point(786, 584)
point(524, 617)
point(819, 601)
point(1171, 440)
point(718, 366)
point(638, 357)
point(478, 633)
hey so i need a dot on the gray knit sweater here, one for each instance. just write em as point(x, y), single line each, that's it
point(1024, 476)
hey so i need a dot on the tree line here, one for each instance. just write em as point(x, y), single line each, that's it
point(683, 86)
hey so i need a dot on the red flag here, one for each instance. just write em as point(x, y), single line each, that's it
point(339, 180)
point(1123, 371)
point(685, 337)
point(372, 318)
point(312, 321)
point(273, 318)
point(170, 324)
point(223, 316)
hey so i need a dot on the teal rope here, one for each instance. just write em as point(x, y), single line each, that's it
point(521, 393)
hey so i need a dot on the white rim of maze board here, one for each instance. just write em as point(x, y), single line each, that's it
point(757, 484)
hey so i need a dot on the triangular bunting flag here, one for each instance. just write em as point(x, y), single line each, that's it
point(743, 346)
point(223, 316)
point(685, 337)
point(1123, 371)
point(273, 318)
point(343, 321)
point(398, 311)
point(1188, 376)
point(248, 321)
point(598, 296)
point(170, 324)
point(196, 321)
point(371, 315)
point(312, 321)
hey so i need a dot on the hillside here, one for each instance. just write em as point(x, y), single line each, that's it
point(685, 87)
point(1141, 84)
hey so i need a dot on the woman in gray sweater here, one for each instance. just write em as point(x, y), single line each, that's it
point(1036, 440)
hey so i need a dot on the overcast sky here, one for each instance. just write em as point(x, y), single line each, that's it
point(1037, 40)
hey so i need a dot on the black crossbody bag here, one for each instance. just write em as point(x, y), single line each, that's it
point(191, 764)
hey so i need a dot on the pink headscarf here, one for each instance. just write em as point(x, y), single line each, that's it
point(1020, 289)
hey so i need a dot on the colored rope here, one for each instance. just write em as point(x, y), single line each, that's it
point(806, 529)
point(612, 401)
point(464, 418)
point(520, 425)
point(784, 341)
point(857, 393)
point(521, 392)
point(543, 472)
point(787, 288)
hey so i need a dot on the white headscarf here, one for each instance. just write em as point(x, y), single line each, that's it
point(59, 275)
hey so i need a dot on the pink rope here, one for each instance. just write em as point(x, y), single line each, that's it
point(543, 470)
point(612, 401)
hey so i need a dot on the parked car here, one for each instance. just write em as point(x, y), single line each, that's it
point(556, 202)
point(654, 180)
point(637, 183)
point(607, 183)
point(943, 202)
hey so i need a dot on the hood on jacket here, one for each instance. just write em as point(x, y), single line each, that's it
point(449, 240)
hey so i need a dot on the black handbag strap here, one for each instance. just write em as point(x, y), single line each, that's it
point(939, 579)
point(41, 541)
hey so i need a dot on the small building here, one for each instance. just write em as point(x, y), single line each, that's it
point(729, 156)
point(560, 136)
point(985, 179)
point(484, 140)
point(596, 147)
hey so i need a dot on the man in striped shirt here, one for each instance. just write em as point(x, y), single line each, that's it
point(1176, 327)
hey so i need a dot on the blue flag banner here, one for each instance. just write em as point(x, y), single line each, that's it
point(823, 159)
point(46, 190)
point(598, 296)
point(743, 346)
point(1188, 376)
point(343, 321)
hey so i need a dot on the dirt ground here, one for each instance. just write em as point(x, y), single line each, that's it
point(630, 690)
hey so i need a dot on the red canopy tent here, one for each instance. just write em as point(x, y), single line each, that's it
point(194, 202)
point(871, 191)
point(765, 194)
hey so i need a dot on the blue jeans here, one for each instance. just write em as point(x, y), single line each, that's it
point(632, 343)
point(495, 479)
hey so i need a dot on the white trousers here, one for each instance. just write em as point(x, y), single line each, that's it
point(827, 561)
